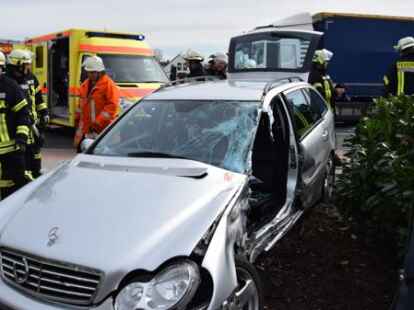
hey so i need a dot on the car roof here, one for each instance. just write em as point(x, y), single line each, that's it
point(239, 90)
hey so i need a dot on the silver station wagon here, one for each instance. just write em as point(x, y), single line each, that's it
point(170, 207)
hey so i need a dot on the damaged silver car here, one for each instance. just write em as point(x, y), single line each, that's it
point(170, 207)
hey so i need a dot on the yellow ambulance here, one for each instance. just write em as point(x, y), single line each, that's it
point(58, 58)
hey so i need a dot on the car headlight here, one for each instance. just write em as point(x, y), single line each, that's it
point(172, 287)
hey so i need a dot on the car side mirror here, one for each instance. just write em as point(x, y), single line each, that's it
point(86, 143)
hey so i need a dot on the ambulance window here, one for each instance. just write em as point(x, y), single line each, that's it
point(39, 57)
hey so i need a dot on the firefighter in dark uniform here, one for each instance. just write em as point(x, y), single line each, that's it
point(399, 79)
point(14, 133)
point(19, 68)
point(319, 77)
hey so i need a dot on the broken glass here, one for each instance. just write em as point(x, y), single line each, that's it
point(219, 133)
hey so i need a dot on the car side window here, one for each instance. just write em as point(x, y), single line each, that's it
point(303, 115)
point(317, 103)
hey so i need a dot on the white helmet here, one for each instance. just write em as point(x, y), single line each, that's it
point(193, 55)
point(18, 57)
point(220, 57)
point(94, 63)
point(2, 59)
point(322, 56)
point(404, 43)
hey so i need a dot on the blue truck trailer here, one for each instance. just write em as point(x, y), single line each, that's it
point(363, 51)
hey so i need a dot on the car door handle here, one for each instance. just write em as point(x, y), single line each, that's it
point(325, 134)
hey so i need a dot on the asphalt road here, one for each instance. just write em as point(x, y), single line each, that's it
point(59, 145)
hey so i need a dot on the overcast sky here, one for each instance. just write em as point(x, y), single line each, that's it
point(173, 26)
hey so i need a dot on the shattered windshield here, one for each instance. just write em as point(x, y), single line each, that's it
point(219, 133)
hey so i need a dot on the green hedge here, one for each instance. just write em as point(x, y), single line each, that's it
point(376, 187)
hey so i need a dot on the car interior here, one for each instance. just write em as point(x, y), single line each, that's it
point(270, 162)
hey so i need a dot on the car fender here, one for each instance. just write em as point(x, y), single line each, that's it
point(220, 256)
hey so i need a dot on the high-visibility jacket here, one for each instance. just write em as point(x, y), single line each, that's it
point(36, 106)
point(99, 106)
point(39, 107)
point(323, 83)
point(14, 115)
point(399, 79)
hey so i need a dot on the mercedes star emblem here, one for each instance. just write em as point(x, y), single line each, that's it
point(21, 276)
point(53, 236)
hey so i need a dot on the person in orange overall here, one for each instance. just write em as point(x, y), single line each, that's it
point(99, 101)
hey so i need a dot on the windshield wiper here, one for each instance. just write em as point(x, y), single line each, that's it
point(155, 155)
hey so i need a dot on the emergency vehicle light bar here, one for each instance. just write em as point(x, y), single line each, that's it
point(138, 37)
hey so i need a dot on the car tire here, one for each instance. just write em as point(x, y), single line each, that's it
point(249, 293)
point(328, 186)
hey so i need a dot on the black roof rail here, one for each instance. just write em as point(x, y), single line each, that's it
point(272, 84)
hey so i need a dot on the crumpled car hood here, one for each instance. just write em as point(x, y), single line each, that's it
point(114, 216)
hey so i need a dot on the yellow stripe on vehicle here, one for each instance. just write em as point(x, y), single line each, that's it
point(19, 106)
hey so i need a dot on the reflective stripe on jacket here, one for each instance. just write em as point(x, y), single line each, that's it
point(399, 79)
point(14, 115)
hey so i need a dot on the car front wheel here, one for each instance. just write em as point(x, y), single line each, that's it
point(249, 293)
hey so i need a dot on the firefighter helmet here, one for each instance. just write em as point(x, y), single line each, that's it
point(404, 43)
point(2, 59)
point(220, 57)
point(19, 57)
point(191, 55)
point(94, 64)
point(322, 56)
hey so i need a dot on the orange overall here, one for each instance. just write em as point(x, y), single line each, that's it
point(98, 107)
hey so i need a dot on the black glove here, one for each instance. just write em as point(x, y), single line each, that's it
point(40, 140)
point(20, 145)
point(44, 121)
